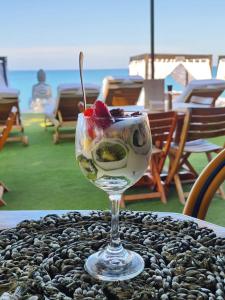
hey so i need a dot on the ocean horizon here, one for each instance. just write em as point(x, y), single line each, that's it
point(24, 80)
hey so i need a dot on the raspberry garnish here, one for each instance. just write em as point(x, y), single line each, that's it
point(101, 115)
point(101, 110)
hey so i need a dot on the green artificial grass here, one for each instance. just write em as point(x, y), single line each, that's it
point(46, 176)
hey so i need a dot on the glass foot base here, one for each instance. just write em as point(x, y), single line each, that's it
point(108, 266)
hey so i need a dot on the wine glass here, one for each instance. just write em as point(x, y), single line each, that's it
point(113, 154)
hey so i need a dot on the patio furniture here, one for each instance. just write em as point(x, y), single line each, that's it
point(64, 113)
point(124, 91)
point(200, 93)
point(162, 126)
point(9, 97)
point(199, 124)
point(6, 104)
point(205, 187)
point(3, 137)
point(8, 126)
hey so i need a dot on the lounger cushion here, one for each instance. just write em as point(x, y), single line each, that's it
point(200, 84)
point(115, 82)
point(111, 83)
point(50, 109)
point(6, 92)
point(76, 88)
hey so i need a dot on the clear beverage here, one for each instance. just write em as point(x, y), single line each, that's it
point(113, 155)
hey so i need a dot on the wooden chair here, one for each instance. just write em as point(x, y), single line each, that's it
point(162, 127)
point(64, 115)
point(5, 108)
point(205, 187)
point(122, 91)
point(200, 92)
point(199, 125)
point(9, 97)
point(3, 137)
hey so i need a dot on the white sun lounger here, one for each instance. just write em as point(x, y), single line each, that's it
point(200, 93)
point(121, 91)
point(9, 97)
point(64, 112)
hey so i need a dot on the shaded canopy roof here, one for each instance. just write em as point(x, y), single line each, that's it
point(182, 67)
point(221, 68)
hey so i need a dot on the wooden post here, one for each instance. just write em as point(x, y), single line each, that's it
point(152, 39)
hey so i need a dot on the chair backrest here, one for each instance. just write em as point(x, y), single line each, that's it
point(199, 123)
point(8, 126)
point(122, 92)
point(204, 123)
point(69, 108)
point(205, 187)
point(69, 97)
point(211, 95)
point(162, 127)
point(203, 92)
point(5, 109)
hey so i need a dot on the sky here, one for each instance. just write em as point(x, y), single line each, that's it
point(50, 33)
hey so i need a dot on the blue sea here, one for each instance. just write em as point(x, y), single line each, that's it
point(24, 80)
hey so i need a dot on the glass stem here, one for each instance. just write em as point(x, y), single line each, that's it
point(115, 243)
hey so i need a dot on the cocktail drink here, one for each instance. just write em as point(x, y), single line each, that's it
point(113, 151)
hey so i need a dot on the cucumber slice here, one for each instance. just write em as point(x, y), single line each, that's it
point(110, 154)
point(88, 167)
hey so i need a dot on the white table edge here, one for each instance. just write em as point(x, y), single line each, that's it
point(10, 218)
